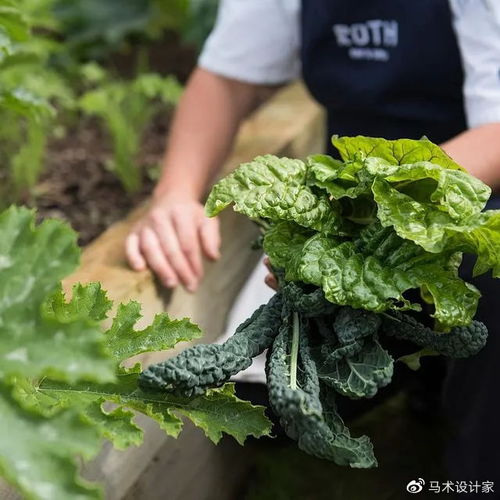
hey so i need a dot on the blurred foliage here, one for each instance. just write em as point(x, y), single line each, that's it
point(49, 76)
point(125, 108)
point(26, 111)
point(92, 28)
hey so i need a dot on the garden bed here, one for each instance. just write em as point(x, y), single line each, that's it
point(77, 184)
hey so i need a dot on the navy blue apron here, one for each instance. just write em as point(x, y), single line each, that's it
point(392, 68)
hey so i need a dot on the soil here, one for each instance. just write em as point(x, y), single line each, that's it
point(78, 187)
point(77, 184)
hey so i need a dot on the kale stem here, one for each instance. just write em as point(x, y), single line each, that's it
point(295, 351)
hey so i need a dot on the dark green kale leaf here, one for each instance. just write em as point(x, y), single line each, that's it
point(353, 324)
point(203, 366)
point(356, 370)
point(460, 342)
point(319, 431)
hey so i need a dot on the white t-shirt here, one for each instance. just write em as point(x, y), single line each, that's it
point(258, 41)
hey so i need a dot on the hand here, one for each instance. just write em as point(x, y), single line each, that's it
point(171, 239)
point(270, 280)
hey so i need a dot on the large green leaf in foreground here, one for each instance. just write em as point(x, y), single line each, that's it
point(59, 401)
point(33, 342)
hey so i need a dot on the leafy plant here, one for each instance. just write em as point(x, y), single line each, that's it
point(125, 108)
point(29, 90)
point(59, 372)
point(349, 239)
point(93, 30)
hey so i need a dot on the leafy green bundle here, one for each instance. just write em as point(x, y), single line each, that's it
point(60, 370)
point(350, 238)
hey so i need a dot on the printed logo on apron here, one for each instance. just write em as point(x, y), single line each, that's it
point(370, 40)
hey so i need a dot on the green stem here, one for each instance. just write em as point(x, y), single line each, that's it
point(295, 351)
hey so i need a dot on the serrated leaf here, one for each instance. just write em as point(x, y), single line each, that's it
point(123, 341)
point(38, 455)
point(62, 389)
point(216, 412)
point(35, 342)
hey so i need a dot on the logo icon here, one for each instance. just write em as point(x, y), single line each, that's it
point(415, 486)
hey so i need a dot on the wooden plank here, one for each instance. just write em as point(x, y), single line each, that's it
point(289, 124)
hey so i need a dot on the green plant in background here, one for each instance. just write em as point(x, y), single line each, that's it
point(59, 366)
point(24, 105)
point(92, 29)
point(125, 108)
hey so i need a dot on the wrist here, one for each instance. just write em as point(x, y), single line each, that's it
point(176, 191)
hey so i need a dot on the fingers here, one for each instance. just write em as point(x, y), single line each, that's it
point(210, 237)
point(170, 240)
point(271, 281)
point(133, 253)
point(267, 263)
point(153, 253)
point(172, 252)
point(189, 242)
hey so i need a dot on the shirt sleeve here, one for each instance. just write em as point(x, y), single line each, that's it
point(255, 41)
point(477, 26)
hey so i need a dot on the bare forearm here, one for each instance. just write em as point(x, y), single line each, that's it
point(478, 150)
point(203, 131)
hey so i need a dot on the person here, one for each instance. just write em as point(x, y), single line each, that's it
point(388, 68)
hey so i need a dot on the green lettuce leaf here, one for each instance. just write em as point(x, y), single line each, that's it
point(339, 179)
point(436, 231)
point(374, 271)
point(396, 152)
point(426, 224)
point(484, 241)
point(274, 188)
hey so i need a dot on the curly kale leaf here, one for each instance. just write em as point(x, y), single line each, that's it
point(354, 324)
point(319, 431)
point(310, 304)
point(200, 367)
point(460, 342)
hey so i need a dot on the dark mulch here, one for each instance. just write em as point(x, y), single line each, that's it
point(78, 187)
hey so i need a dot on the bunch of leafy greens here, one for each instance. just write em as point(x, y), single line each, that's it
point(58, 368)
point(349, 239)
